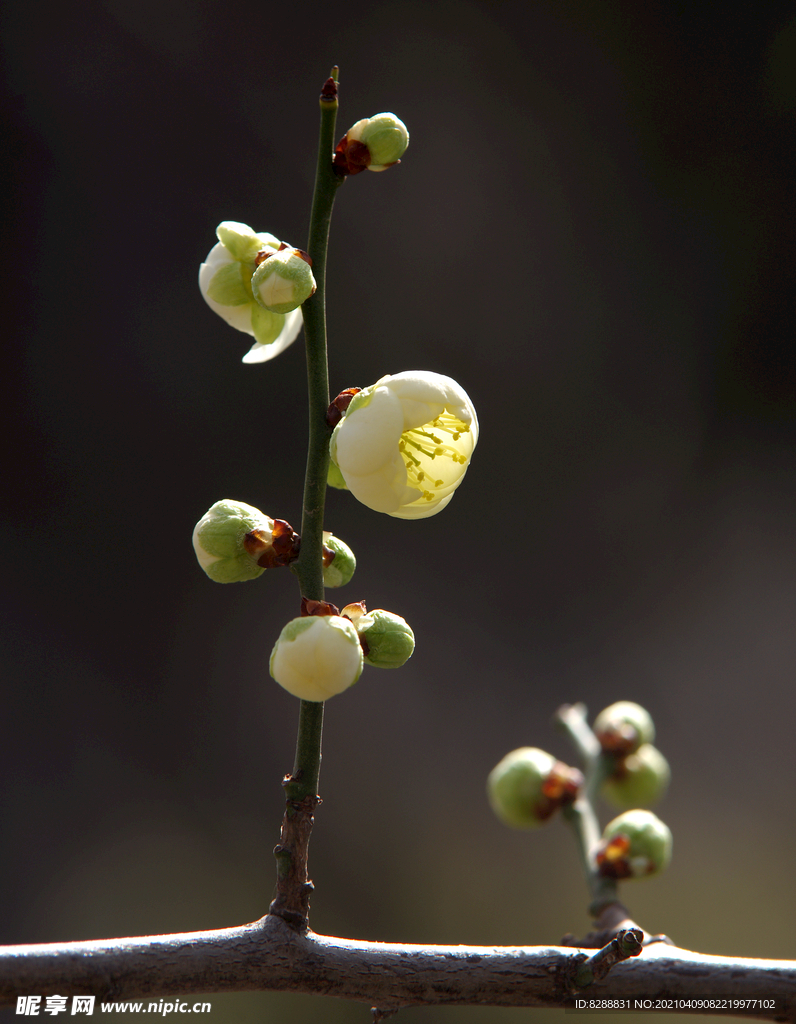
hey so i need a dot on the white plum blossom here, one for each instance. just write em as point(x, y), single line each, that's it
point(317, 656)
point(225, 282)
point(405, 443)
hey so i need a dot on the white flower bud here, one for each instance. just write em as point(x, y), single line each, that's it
point(317, 656)
point(225, 283)
point(283, 281)
point(405, 443)
point(339, 561)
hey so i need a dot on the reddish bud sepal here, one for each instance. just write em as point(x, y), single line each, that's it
point(310, 607)
point(338, 407)
point(282, 548)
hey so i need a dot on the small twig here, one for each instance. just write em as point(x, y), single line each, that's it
point(625, 944)
point(580, 815)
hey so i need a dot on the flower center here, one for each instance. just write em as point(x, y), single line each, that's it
point(434, 454)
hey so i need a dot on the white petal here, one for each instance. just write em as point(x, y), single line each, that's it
point(262, 353)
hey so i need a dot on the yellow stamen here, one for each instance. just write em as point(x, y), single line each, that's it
point(418, 454)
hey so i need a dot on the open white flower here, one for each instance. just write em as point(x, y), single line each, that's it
point(225, 282)
point(404, 444)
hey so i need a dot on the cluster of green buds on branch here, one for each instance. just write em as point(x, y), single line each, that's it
point(529, 785)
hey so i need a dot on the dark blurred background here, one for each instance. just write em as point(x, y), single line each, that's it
point(592, 232)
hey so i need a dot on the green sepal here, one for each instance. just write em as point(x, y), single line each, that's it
point(296, 627)
point(334, 478)
point(343, 565)
point(234, 570)
point(239, 240)
point(265, 324)
point(227, 286)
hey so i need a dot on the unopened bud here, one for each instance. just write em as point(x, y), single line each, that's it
point(387, 639)
point(316, 657)
point(235, 542)
point(283, 281)
point(639, 780)
point(339, 562)
point(623, 727)
point(634, 845)
point(375, 143)
point(529, 785)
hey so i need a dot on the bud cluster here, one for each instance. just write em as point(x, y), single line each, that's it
point(322, 653)
point(640, 775)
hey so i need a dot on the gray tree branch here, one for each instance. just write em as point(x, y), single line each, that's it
point(269, 956)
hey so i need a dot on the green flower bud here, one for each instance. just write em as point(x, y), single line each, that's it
point(528, 785)
point(640, 779)
point(634, 845)
point(623, 727)
point(375, 143)
point(316, 657)
point(386, 137)
point(339, 562)
point(387, 639)
point(283, 281)
point(235, 542)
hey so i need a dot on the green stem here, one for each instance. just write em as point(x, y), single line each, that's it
point(309, 566)
point(293, 886)
point(580, 815)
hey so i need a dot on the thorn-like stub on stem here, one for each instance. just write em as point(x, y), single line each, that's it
point(329, 91)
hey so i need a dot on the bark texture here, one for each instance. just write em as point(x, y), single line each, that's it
point(269, 955)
